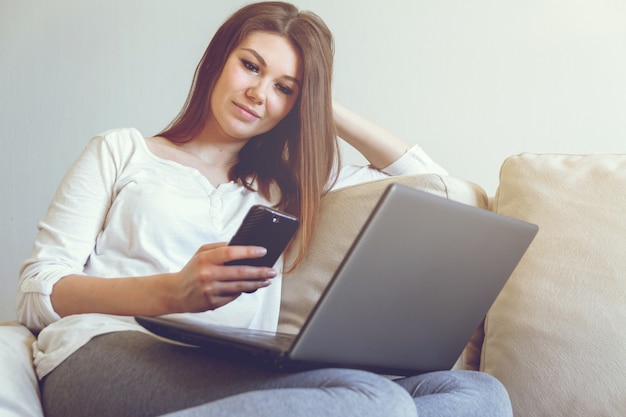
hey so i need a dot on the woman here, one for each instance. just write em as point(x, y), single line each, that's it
point(126, 234)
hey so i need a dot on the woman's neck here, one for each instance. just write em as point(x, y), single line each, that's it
point(210, 159)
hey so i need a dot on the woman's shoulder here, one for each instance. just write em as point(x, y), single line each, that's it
point(118, 146)
point(120, 136)
point(119, 142)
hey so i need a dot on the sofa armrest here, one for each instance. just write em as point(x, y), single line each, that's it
point(19, 395)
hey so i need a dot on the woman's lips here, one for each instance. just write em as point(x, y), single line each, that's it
point(247, 112)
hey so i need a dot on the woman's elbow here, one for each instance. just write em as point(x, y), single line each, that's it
point(34, 310)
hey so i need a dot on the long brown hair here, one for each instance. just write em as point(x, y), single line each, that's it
point(299, 155)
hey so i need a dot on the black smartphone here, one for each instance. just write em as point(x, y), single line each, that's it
point(267, 227)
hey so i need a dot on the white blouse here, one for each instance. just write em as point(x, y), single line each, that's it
point(123, 211)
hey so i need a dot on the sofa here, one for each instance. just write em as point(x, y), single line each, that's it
point(554, 336)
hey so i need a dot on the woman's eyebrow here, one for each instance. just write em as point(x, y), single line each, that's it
point(256, 55)
point(263, 63)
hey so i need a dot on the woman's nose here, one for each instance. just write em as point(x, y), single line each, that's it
point(256, 93)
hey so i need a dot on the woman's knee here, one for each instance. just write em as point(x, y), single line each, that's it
point(384, 395)
point(462, 390)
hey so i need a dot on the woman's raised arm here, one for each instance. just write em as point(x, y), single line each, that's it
point(379, 146)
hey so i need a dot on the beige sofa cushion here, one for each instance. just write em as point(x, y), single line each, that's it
point(19, 389)
point(555, 336)
point(342, 215)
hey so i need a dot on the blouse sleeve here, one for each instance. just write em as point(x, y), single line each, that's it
point(414, 161)
point(67, 233)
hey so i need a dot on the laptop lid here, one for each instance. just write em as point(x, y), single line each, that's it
point(414, 286)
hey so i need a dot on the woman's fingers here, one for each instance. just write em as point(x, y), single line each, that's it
point(220, 293)
point(220, 253)
point(236, 288)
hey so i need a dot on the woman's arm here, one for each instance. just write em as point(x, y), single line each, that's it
point(387, 153)
point(379, 146)
point(203, 284)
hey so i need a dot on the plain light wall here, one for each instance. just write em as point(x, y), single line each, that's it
point(471, 81)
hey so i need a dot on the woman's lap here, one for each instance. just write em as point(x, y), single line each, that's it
point(131, 373)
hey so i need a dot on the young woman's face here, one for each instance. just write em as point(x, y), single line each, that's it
point(258, 86)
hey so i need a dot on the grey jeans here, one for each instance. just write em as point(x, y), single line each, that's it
point(134, 374)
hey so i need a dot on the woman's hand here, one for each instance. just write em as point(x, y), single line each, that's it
point(205, 283)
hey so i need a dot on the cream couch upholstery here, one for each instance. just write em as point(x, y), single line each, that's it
point(19, 395)
point(553, 336)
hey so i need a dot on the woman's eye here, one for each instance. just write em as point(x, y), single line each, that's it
point(284, 89)
point(250, 66)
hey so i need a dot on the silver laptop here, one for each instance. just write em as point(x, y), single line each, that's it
point(415, 284)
